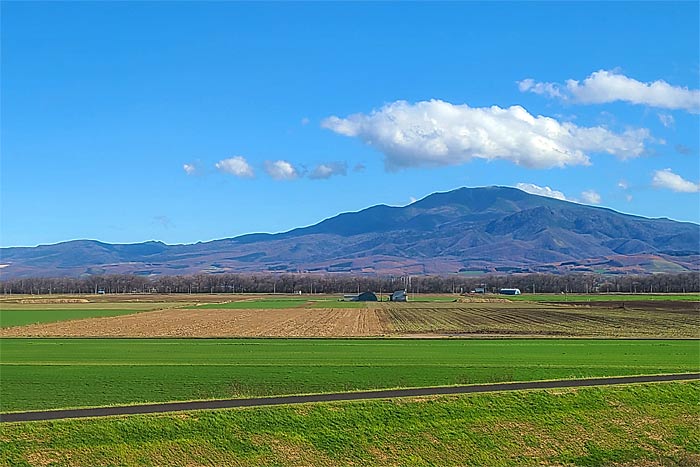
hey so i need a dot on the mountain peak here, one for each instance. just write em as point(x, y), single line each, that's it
point(478, 198)
point(486, 229)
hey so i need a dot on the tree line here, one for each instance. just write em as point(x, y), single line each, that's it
point(346, 283)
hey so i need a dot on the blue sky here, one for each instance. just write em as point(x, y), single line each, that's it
point(186, 122)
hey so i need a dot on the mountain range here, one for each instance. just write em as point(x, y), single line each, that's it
point(466, 231)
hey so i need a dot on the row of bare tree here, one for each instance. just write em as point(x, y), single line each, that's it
point(345, 283)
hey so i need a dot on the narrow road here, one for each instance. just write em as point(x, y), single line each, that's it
point(332, 397)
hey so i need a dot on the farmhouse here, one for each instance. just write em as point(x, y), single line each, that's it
point(363, 297)
point(510, 291)
point(399, 296)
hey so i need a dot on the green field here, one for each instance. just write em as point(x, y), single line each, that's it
point(650, 425)
point(653, 424)
point(100, 303)
point(14, 313)
point(54, 373)
point(9, 318)
point(604, 297)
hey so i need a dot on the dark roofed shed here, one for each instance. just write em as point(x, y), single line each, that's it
point(367, 297)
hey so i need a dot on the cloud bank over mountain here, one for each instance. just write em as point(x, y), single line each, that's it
point(439, 133)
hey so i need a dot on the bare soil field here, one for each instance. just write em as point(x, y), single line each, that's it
point(167, 318)
point(658, 305)
point(637, 319)
point(297, 322)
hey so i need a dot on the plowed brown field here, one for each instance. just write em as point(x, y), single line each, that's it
point(661, 319)
point(641, 320)
point(297, 322)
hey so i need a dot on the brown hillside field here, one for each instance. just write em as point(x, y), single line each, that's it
point(296, 322)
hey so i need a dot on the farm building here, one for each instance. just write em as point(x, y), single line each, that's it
point(399, 296)
point(510, 291)
point(363, 297)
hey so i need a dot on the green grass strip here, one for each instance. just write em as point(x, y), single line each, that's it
point(650, 424)
point(55, 373)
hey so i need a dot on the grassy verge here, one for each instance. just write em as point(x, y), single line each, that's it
point(652, 424)
point(54, 373)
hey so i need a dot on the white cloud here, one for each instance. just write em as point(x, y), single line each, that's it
point(305, 121)
point(549, 89)
point(667, 179)
point(412, 199)
point(606, 86)
point(190, 169)
point(587, 197)
point(281, 170)
point(609, 86)
point(623, 184)
point(540, 190)
point(629, 198)
point(359, 168)
point(237, 166)
point(667, 120)
point(328, 169)
point(590, 197)
point(438, 133)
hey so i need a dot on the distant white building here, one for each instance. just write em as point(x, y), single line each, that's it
point(510, 291)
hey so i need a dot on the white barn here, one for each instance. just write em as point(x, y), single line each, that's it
point(510, 291)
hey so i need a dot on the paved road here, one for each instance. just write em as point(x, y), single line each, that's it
point(342, 396)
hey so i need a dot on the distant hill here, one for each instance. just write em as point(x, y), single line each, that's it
point(468, 230)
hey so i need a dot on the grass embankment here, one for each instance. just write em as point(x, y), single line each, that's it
point(652, 424)
point(55, 373)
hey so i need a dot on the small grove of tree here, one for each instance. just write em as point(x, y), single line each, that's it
point(347, 283)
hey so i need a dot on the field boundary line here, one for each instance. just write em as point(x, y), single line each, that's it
point(337, 397)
